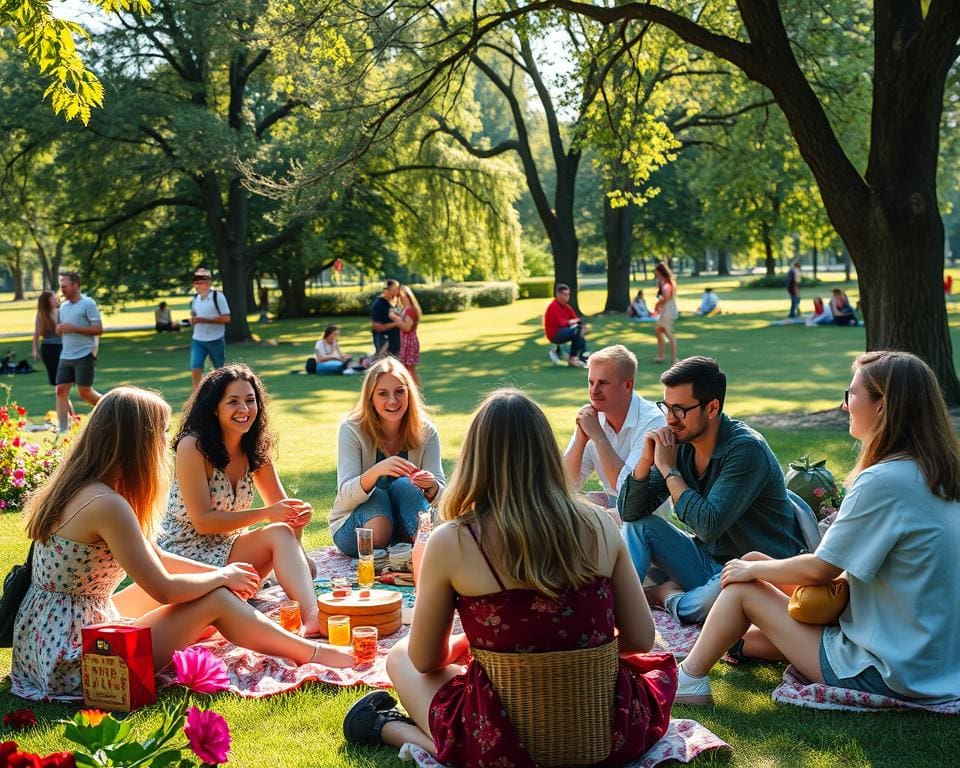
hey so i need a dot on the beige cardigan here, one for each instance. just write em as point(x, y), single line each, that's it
point(356, 453)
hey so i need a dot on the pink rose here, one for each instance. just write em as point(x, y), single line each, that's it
point(208, 734)
point(199, 670)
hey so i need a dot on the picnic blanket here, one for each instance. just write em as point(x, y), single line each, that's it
point(254, 675)
point(683, 741)
point(796, 689)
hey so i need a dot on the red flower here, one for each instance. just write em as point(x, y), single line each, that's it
point(59, 760)
point(20, 719)
point(23, 760)
point(21, 410)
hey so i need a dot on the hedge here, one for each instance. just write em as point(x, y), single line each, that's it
point(536, 289)
point(495, 295)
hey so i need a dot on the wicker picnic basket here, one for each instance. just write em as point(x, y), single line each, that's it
point(560, 703)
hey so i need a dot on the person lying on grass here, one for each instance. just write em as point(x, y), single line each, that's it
point(90, 525)
point(896, 536)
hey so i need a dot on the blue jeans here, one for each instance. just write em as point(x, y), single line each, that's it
point(199, 350)
point(676, 555)
point(396, 499)
point(330, 366)
point(574, 335)
point(794, 305)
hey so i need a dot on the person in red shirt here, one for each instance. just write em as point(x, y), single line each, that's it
point(561, 325)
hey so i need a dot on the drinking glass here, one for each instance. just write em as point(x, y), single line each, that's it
point(364, 644)
point(365, 569)
point(338, 628)
point(290, 615)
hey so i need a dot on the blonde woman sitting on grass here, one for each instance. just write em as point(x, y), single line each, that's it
point(90, 524)
point(529, 568)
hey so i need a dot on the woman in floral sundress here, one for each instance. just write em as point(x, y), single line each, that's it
point(223, 451)
point(530, 569)
point(90, 524)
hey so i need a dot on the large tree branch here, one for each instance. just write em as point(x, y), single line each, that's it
point(276, 116)
point(444, 127)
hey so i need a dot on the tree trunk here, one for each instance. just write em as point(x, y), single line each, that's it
point(16, 268)
point(293, 294)
point(233, 274)
point(814, 254)
point(618, 235)
point(768, 250)
point(562, 230)
point(723, 262)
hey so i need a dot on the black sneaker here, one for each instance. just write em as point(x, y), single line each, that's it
point(365, 719)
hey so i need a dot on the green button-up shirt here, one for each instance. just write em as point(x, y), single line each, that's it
point(738, 505)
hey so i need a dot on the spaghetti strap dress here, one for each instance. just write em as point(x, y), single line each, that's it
point(409, 341)
point(469, 724)
point(71, 587)
point(179, 537)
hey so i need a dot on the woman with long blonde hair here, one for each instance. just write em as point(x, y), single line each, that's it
point(896, 537)
point(409, 317)
point(90, 525)
point(47, 344)
point(529, 568)
point(388, 460)
point(666, 312)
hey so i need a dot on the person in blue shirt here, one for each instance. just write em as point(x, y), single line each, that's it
point(896, 537)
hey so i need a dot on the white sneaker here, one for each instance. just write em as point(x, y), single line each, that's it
point(348, 372)
point(554, 357)
point(692, 690)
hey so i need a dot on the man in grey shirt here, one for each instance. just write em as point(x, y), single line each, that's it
point(79, 325)
point(726, 485)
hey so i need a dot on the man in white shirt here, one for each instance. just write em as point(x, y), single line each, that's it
point(209, 315)
point(609, 437)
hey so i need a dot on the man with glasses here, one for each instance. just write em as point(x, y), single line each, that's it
point(726, 486)
point(209, 315)
point(610, 430)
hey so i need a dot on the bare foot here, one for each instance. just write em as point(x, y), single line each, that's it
point(658, 594)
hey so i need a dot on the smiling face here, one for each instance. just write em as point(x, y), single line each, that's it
point(563, 296)
point(863, 409)
point(609, 391)
point(237, 409)
point(390, 400)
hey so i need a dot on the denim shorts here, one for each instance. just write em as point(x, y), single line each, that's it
point(200, 349)
point(868, 681)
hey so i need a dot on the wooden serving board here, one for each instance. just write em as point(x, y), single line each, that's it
point(380, 601)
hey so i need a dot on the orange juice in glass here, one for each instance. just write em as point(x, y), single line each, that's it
point(338, 628)
point(290, 615)
point(364, 644)
point(365, 572)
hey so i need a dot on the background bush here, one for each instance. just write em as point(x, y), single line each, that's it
point(494, 295)
point(446, 298)
point(535, 289)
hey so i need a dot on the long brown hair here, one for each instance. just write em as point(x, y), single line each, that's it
point(666, 273)
point(511, 473)
point(414, 420)
point(46, 315)
point(913, 420)
point(123, 445)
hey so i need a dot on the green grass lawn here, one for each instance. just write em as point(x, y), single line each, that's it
point(770, 370)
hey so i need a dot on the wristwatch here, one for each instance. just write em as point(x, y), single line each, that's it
point(673, 473)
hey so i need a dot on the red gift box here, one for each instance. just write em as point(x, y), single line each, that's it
point(117, 667)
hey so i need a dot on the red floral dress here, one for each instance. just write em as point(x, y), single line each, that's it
point(410, 342)
point(467, 720)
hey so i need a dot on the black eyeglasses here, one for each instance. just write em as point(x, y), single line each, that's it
point(678, 411)
point(846, 398)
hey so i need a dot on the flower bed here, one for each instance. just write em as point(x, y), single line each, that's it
point(26, 461)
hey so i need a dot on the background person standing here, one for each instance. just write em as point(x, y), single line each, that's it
point(78, 325)
point(209, 315)
point(793, 288)
point(384, 326)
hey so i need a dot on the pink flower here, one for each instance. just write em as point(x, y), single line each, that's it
point(208, 734)
point(3, 504)
point(19, 474)
point(199, 670)
point(33, 449)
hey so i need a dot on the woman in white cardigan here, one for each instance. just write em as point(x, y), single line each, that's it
point(388, 461)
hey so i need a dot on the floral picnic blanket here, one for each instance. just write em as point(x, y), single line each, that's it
point(254, 675)
point(796, 689)
point(683, 741)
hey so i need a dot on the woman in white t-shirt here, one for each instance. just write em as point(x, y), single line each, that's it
point(896, 536)
point(329, 357)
